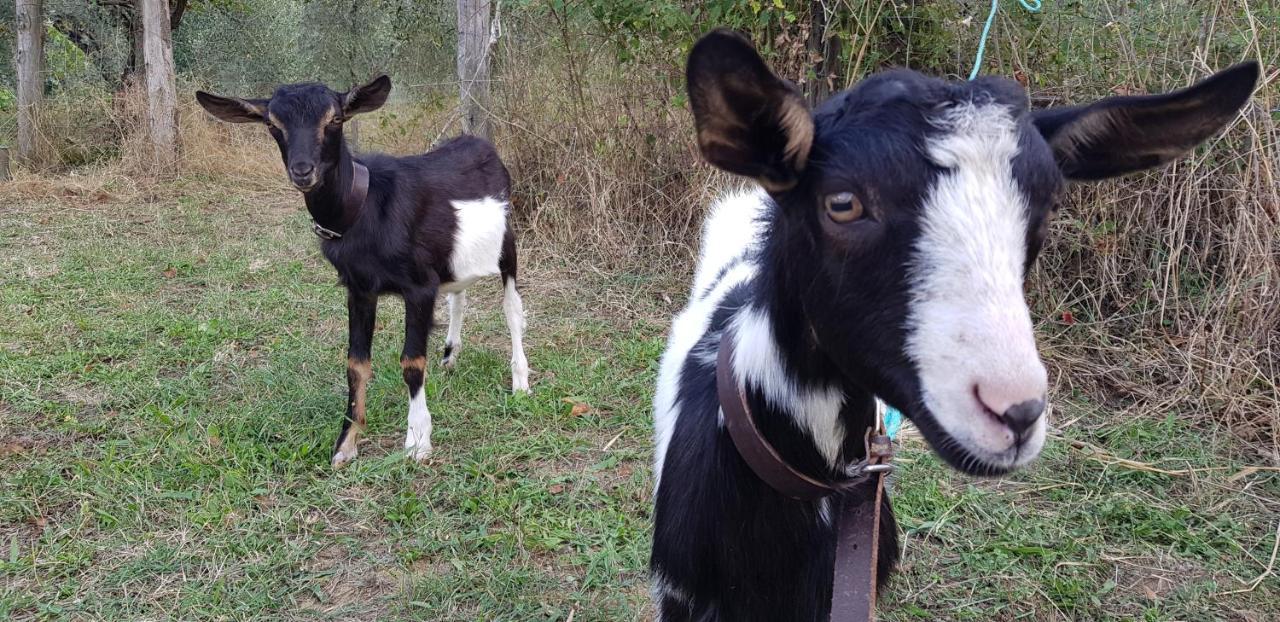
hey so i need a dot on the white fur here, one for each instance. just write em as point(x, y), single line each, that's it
point(417, 441)
point(732, 226)
point(341, 457)
point(968, 322)
point(457, 305)
point(513, 309)
point(813, 409)
point(660, 588)
point(477, 243)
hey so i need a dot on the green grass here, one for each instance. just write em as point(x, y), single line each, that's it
point(171, 380)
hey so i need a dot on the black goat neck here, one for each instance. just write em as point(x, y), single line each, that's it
point(803, 357)
point(335, 203)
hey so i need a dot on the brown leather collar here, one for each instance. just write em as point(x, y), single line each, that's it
point(352, 202)
point(853, 593)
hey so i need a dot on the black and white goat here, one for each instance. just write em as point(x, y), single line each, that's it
point(883, 254)
point(429, 223)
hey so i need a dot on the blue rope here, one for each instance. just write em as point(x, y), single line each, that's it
point(892, 418)
point(1033, 6)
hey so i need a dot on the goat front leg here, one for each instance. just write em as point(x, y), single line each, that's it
point(362, 309)
point(418, 308)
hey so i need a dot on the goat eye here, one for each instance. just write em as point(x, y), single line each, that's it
point(335, 122)
point(844, 207)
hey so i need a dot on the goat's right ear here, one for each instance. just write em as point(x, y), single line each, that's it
point(233, 109)
point(749, 121)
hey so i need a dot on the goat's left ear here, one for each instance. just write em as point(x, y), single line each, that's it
point(367, 97)
point(1120, 135)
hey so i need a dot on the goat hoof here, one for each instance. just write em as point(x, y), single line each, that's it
point(418, 453)
point(448, 362)
point(341, 458)
point(449, 357)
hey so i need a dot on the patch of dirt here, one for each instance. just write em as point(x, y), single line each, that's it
point(350, 584)
point(1154, 579)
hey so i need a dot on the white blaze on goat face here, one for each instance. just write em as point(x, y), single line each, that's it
point(969, 329)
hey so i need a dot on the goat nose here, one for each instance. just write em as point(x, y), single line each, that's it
point(301, 169)
point(1021, 416)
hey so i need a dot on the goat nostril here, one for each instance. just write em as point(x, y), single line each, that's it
point(1020, 417)
point(302, 170)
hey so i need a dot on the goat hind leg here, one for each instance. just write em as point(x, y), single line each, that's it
point(453, 340)
point(513, 309)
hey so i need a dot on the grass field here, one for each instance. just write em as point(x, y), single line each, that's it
point(171, 381)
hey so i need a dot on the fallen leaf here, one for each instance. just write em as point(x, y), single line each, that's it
point(169, 273)
point(1068, 318)
point(578, 409)
point(556, 489)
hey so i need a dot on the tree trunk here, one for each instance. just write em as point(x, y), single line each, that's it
point(162, 110)
point(30, 65)
point(474, 23)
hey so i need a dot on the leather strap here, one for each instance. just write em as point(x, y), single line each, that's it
point(755, 450)
point(352, 202)
point(358, 192)
point(853, 590)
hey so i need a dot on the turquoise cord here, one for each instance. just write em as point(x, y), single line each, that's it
point(892, 419)
point(1033, 6)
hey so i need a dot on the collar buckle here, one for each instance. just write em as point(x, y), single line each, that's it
point(323, 233)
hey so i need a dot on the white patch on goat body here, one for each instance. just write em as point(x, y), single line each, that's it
point(968, 322)
point(732, 228)
point(813, 409)
point(660, 588)
point(477, 242)
point(417, 441)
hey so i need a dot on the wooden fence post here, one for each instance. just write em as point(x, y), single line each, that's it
point(30, 62)
point(474, 23)
point(162, 97)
